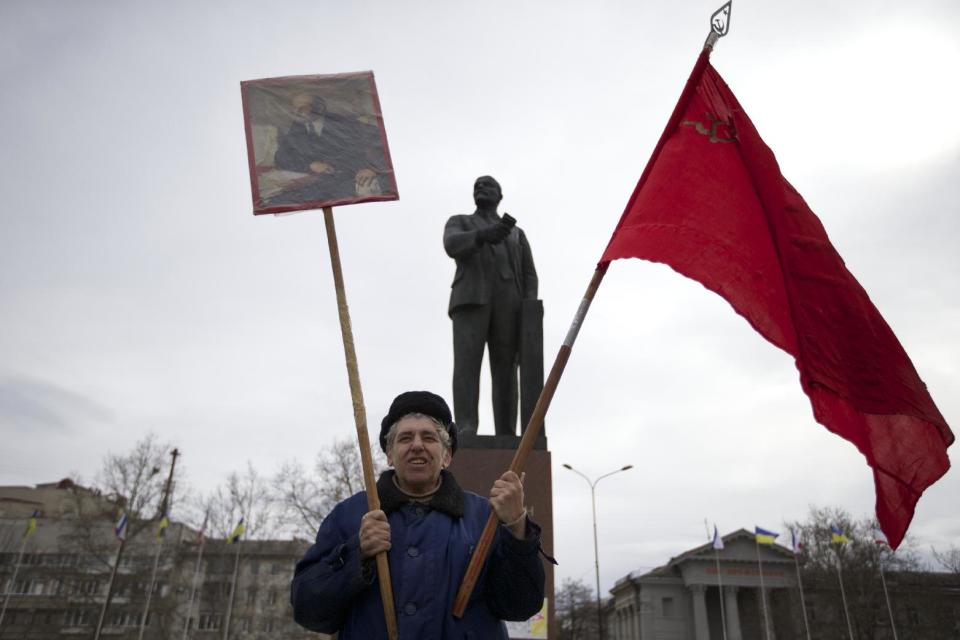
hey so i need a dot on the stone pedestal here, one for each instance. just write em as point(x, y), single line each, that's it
point(480, 460)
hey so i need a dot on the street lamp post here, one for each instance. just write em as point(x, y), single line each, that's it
point(596, 550)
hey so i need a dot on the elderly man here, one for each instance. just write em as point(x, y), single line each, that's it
point(340, 153)
point(429, 526)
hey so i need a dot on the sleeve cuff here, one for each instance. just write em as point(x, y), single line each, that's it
point(528, 545)
point(347, 556)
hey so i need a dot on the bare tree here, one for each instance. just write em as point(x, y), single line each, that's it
point(134, 479)
point(860, 561)
point(306, 497)
point(130, 482)
point(820, 553)
point(949, 560)
point(576, 611)
point(244, 495)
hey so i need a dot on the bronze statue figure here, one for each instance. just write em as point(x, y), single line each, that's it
point(494, 281)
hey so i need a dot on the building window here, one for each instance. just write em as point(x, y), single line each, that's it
point(77, 618)
point(667, 607)
point(268, 624)
point(27, 587)
point(276, 568)
point(272, 596)
point(245, 625)
point(251, 595)
point(209, 621)
point(88, 587)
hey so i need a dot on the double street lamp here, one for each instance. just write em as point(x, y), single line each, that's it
point(596, 552)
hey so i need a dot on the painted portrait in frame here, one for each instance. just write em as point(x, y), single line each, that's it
point(316, 141)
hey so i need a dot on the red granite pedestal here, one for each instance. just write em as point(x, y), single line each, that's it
point(480, 460)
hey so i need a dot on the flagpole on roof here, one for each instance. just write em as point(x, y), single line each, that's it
point(719, 26)
point(763, 592)
point(717, 544)
point(843, 594)
point(795, 544)
point(201, 539)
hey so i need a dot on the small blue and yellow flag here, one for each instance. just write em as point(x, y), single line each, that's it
point(164, 523)
point(837, 535)
point(31, 524)
point(237, 532)
point(764, 536)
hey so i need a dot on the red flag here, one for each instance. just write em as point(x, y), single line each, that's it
point(713, 205)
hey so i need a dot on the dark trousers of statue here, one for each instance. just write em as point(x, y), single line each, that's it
point(498, 326)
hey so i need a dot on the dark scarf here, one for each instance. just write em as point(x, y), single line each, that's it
point(448, 498)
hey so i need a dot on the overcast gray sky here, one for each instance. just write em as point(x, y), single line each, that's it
point(138, 292)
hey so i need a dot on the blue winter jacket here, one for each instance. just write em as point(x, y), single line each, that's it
point(333, 591)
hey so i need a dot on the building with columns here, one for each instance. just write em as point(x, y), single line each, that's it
point(681, 599)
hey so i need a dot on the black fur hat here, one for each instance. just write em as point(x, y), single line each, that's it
point(429, 404)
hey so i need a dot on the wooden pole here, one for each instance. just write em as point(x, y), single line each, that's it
point(530, 436)
point(360, 418)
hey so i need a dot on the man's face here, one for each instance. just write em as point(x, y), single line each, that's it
point(306, 107)
point(486, 191)
point(418, 454)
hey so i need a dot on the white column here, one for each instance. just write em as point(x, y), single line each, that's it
point(733, 614)
point(701, 631)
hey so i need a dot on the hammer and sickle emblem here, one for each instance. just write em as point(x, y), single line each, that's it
point(713, 131)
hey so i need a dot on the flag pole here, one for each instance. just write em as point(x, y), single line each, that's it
point(360, 418)
point(535, 424)
point(153, 582)
point(716, 554)
point(803, 605)
point(196, 575)
point(723, 614)
point(164, 508)
point(113, 578)
point(886, 595)
point(763, 595)
point(13, 578)
point(843, 596)
point(233, 590)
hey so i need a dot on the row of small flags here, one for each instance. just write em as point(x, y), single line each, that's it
point(837, 536)
point(120, 528)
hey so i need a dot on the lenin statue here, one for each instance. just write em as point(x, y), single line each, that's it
point(494, 289)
